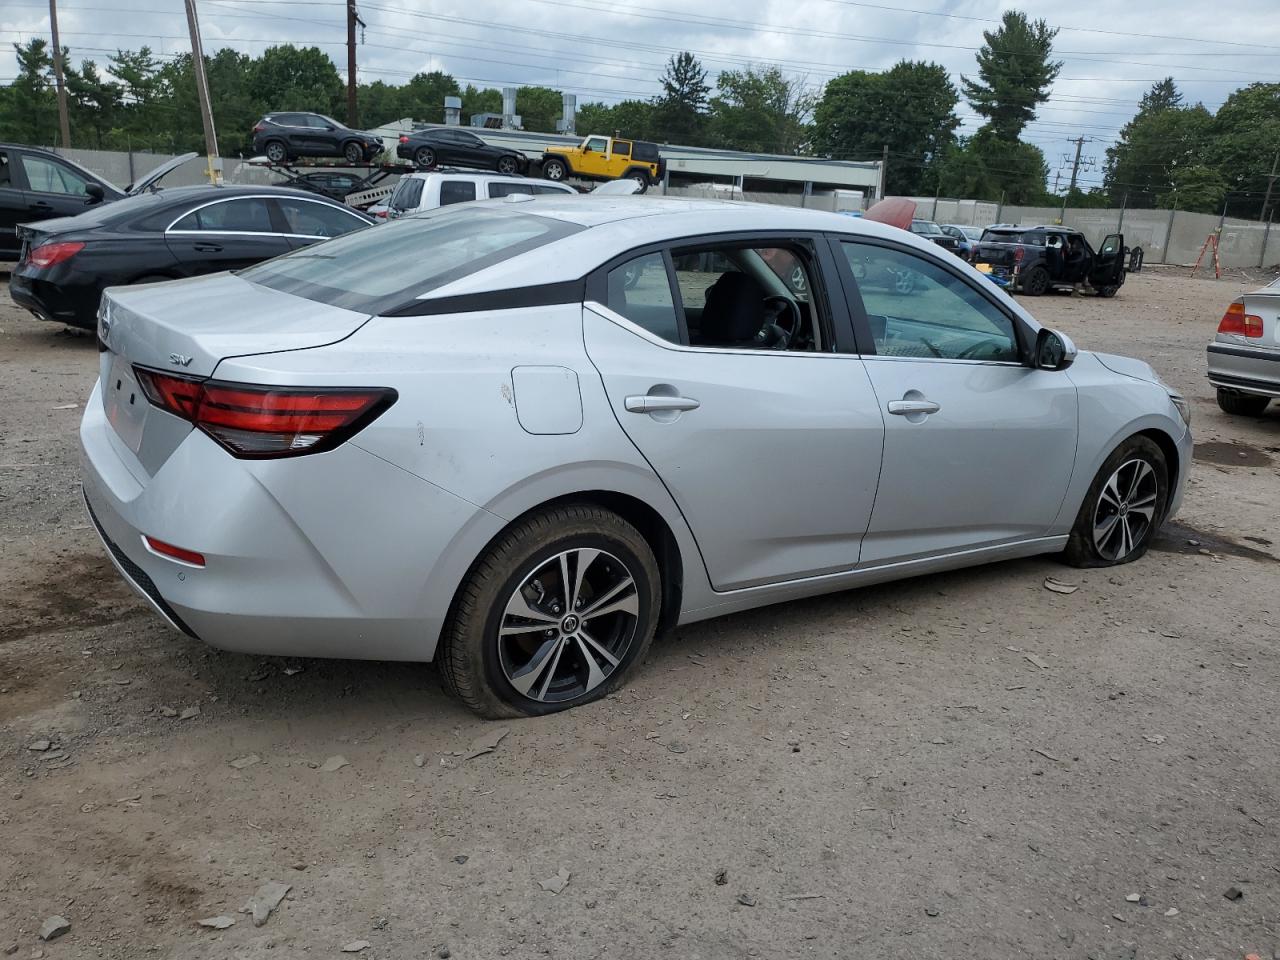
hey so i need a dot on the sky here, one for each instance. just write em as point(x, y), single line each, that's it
point(1112, 52)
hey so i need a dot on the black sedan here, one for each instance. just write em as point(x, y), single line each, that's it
point(182, 232)
point(281, 137)
point(436, 145)
point(38, 184)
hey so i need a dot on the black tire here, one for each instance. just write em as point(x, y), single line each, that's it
point(641, 177)
point(424, 157)
point(1108, 292)
point(508, 165)
point(1242, 404)
point(353, 152)
point(1083, 548)
point(1035, 282)
point(473, 661)
point(276, 151)
point(555, 169)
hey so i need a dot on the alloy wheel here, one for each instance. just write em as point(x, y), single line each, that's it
point(1126, 510)
point(568, 625)
point(507, 165)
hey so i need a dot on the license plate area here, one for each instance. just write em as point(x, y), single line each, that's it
point(125, 403)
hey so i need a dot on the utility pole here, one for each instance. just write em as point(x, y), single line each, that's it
point(1075, 166)
point(202, 88)
point(884, 171)
point(1266, 201)
point(353, 18)
point(64, 124)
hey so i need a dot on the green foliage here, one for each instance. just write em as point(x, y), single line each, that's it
point(1245, 144)
point(630, 118)
point(539, 107)
point(760, 109)
point(985, 167)
point(29, 107)
point(910, 108)
point(476, 101)
point(679, 114)
point(1153, 149)
point(1015, 71)
point(297, 78)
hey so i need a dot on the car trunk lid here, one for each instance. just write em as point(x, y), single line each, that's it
point(186, 328)
point(1265, 304)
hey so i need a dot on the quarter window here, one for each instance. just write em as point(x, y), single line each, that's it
point(640, 290)
point(246, 215)
point(45, 176)
point(918, 309)
point(308, 219)
point(456, 191)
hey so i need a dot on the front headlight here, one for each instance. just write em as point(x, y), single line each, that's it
point(1184, 407)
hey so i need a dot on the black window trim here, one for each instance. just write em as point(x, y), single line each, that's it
point(836, 331)
point(866, 345)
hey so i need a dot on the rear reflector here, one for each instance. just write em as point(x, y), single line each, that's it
point(174, 553)
point(48, 254)
point(255, 421)
point(1236, 321)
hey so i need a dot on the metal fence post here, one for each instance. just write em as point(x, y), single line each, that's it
point(1000, 208)
point(1266, 236)
point(1120, 222)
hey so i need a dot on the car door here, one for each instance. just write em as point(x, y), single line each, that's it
point(771, 455)
point(472, 150)
point(53, 189)
point(594, 161)
point(225, 235)
point(979, 446)
point(1108, 263)
point(13, 206)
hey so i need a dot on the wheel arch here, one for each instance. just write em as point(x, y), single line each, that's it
point(1172, 456)
point(641, 515)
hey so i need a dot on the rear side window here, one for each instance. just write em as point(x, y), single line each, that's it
point(622, 148)
point(248, 215)
point(373, 271)
point(640, 290)
point(506, 189)
point(457, 191)
point(545, 188)
point(646, 151)
point(408, 194)
point(307, 218)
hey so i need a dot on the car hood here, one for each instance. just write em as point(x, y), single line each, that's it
point(150, 178)
point(1129, 367)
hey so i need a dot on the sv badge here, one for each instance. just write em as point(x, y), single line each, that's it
point(178, 360)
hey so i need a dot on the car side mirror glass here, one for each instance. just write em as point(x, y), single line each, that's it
point(1054, 350)
point(94, 192)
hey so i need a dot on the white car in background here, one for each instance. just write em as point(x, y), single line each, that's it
point(1244, 358)
point(417, 192)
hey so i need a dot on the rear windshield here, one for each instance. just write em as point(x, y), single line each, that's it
point(373, 271)
point(1034, 238)
point(645, 151)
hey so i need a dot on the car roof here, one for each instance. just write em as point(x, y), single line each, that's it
point(475, 175)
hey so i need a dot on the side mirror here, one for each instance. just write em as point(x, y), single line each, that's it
point(1054, 350)
point(94, 192)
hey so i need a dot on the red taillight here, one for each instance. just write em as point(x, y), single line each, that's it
point(49, 254)
point(1236, 321)
point(174, 553)
point(1018, 253)
point(403, 138)
point(258, 128)
point(256, 421)
point(380, 213)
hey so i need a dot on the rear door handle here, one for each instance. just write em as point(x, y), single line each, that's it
point(903, 408)
point(650, 403)
point(40, 205)
point(208, 247)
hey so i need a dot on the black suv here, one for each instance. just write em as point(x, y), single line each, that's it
point(1035, 260)
point(38, 184)
point(281, 137)
point(436, 145)
point(935, 234)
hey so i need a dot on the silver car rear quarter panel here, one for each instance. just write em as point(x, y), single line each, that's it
point(324, 555)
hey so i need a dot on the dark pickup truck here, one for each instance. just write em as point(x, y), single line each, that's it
point(1035, 260)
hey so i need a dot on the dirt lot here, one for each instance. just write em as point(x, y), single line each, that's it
point(879, 774)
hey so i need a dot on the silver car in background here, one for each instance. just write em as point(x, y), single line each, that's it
point(580, 420)
point(1244, 357)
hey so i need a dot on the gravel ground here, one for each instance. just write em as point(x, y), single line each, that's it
point(886, 773)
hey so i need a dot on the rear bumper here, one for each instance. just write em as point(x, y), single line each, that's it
point(51, 301)
point(1253, 370)
point(339, 554)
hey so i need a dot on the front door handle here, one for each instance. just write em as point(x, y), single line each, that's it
point(40, 205)
point(208, 248)
point(650, 403)
point(905, 408)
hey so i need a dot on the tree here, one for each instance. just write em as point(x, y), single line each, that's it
point(985, 166)
point(910, 107)
point(1154, 148)
point(1015, 72)
point(93, 104)
point(1244, 143)
point(475, 100)
point(630, 118)
point(1195, 186)
point(539, 108)
point(1122, 175)
point(29, 109)
point(679, 114)
point(760, 109)
point(422, 98)
point(296, 78)
point(1163, 95)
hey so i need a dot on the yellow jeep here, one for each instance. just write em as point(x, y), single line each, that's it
point(604, 158)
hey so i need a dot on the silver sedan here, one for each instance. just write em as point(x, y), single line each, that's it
point(519, 437)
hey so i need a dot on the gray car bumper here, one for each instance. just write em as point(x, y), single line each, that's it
point(1254, 370)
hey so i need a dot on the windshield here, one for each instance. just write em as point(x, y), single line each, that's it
point(926, 228)
point(373, 271)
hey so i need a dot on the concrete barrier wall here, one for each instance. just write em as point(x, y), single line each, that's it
point(123, 168)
